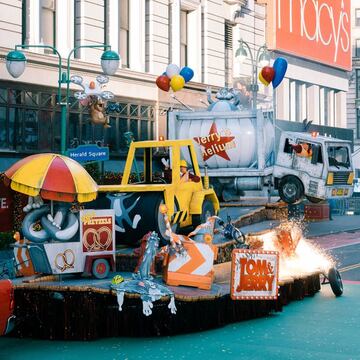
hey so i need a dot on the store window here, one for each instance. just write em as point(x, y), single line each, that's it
point(357, 49)
point(357, 17)
point(48, 23)
point(358, 123)
point(357, 73)
point(124, 32)
point(183, 38)
point(228, 54)
point(30, 122)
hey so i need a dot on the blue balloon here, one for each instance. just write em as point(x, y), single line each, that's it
point(187, 73)
point(280, 67)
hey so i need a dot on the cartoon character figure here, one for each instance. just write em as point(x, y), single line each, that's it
point(62, 226)
point(302, 149)
point(97, 112)
point(146, 263)
point(228, 100)
point(142, 282)
point(93, 96)
point(185, 174)
point(122, 212)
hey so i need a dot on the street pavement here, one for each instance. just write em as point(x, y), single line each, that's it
point(321, 327)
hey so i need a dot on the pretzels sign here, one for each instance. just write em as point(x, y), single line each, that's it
point(94, 243)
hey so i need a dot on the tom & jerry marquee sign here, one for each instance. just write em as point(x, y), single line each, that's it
point(254, 275)
point(318, 30)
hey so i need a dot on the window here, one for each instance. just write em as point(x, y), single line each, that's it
point(357, 49)
point(287, 147)
point(357, 123)
point(357, 74)
point(124, 32)
point(183, 38)
point(317, 154)
point(48, 23)
point(357, 17)
point(338, 156)
point(30, 122)
point(228, 54)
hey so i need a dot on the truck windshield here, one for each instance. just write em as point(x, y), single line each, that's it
point(338, 156)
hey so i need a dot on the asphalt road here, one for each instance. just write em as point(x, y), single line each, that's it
point(348, 259)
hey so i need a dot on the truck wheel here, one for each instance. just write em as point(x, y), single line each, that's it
point(290, 189)
point(314, 199)
point(207, 211)
point(335, 282)
point(100, 268)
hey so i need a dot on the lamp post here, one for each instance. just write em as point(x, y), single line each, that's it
point(262, 57)
point(16, 62)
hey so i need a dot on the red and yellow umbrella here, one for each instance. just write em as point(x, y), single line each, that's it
point(53, 177)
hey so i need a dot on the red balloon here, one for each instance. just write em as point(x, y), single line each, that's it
point(268, 73)
point(163, 82)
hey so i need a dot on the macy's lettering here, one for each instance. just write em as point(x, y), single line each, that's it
point(323, 14)
point(255, 275)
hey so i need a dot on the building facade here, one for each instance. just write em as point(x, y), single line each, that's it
point(353, 96)
point(150, 34)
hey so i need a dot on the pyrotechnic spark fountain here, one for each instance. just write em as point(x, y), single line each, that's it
point(298, 256)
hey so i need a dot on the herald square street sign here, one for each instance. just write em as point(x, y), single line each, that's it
point(254, 275)
point(318, 30)
point(88, 153)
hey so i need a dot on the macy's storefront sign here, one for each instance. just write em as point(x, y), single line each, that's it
point(318, 30)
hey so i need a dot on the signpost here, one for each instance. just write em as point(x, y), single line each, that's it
point(89, 153)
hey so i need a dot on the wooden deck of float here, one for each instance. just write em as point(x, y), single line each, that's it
point(85, 309)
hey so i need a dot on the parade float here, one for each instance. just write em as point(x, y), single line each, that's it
point(181, 283)
point(150, 256)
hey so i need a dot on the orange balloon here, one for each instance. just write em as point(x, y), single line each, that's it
point(177, 82)
point(262, 80)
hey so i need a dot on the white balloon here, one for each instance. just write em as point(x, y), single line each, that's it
point(172, 70)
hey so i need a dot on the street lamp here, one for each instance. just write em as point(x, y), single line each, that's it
point(262, 58)
point(16, 62)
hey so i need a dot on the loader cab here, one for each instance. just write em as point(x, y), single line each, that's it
point(156, 164)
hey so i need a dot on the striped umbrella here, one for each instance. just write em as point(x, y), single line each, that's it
point(53, 177)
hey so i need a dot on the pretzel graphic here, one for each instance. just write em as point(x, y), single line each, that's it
point(95, 244)
point(65, 260)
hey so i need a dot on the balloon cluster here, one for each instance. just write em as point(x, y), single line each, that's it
point(273, 74)
point(174, 77)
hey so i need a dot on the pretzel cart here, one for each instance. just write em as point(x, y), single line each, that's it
point(93, 254)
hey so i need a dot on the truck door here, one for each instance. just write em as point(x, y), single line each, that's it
point(309, 159)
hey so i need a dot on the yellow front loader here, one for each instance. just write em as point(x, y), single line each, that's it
point(136, 202)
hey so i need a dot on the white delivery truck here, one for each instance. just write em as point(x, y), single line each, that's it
point(239, 152)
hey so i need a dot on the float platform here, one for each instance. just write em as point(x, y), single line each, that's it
point(76, 308)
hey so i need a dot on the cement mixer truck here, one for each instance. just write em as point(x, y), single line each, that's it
point(239, 152)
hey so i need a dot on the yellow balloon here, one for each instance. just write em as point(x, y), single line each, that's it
point(177, 82)
point(266, 83)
